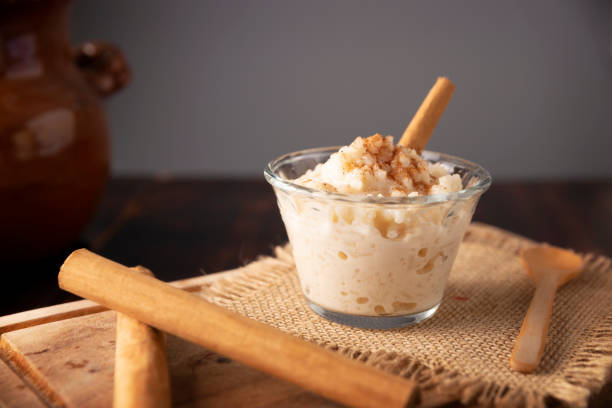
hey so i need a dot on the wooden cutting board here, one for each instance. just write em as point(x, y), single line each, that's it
point(14, 392)
point(64, 356)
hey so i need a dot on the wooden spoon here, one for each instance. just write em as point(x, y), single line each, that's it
point(549, 267)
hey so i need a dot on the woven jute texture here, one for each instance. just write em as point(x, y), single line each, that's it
point(463, 351)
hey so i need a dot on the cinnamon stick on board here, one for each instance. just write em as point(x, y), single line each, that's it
point(141, 367)
point(248, 341)
point(424, 121)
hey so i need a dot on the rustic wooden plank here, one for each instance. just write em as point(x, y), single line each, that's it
point(85, 307)
point(48, 314)
point(71, 362)
point(201, 378)
point(14, 392)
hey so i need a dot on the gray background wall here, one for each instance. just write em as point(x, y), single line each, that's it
point(220, 87)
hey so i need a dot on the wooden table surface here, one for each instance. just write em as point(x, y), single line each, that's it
point(182, 228)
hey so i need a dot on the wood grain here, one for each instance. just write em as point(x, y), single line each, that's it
point(72, 361)
point(34, 355)
point(14, 392)
point(48, 314)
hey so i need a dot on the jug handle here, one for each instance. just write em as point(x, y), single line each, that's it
point(103, 66)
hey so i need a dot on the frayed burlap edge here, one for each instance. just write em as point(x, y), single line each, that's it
point(587, 373)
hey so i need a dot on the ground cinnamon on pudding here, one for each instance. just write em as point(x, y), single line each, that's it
point(375, 166)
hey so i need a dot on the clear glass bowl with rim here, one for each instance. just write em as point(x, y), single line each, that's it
point(373, 262)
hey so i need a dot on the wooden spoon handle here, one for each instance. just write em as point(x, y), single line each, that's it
point(529, 345)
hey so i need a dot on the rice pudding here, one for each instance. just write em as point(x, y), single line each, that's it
point(374, 227)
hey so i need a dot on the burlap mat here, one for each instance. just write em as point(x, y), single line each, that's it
point(462, 352)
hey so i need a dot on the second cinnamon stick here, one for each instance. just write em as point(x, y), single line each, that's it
point(141, 367)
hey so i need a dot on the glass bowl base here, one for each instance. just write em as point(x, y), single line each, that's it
point(373, 322)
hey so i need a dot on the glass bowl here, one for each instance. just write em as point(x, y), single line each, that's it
point(373, 262)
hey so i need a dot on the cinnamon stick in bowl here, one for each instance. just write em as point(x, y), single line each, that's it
point(250, 342)
point(426, 118)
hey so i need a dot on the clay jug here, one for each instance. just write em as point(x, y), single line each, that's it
point(54, 145)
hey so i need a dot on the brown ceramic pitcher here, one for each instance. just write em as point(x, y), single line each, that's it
point(54, 147)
